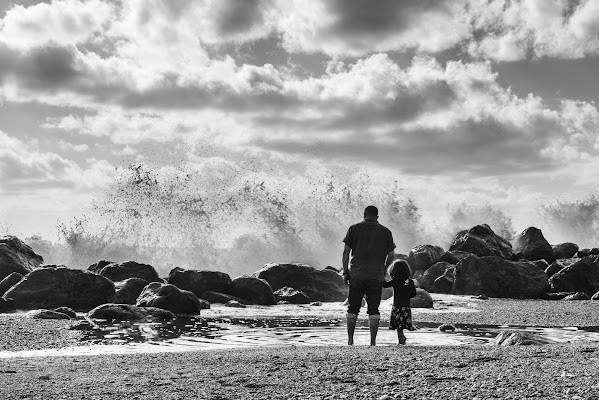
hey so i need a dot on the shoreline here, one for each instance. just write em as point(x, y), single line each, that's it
point(20, 333)
point(551, 371)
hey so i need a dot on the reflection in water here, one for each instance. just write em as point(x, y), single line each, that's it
point(206, 333)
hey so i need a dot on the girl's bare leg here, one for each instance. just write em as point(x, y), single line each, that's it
point(401, 338)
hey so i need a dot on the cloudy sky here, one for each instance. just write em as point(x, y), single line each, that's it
point(478, 101)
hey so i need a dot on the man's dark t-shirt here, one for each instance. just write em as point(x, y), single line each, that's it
point(370, 242)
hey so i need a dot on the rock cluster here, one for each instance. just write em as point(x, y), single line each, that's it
point(478, 262)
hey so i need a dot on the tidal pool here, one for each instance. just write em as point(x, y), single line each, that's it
point(201, 333)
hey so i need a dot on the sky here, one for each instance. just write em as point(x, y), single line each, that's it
point(484, 102)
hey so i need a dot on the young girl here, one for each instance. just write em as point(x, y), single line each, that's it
point(403, 291)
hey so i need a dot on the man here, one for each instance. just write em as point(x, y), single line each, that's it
point(372, 251)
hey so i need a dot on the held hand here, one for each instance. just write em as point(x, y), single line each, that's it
point(346, 279)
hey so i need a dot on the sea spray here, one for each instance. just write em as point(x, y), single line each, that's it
point(227, 218)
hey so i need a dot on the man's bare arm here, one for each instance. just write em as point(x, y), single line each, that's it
point(345, 259)
point(390, 258)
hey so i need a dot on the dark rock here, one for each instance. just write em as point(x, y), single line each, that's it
point(553, 269)
point(256, 290)
point(128, 291)
point(446, 328)
point(291, 295)
point(513, 338)
point(559, 264)
point(16, 256)
point(222, 298)
point(235, 304)
point(128, 312)
point(583, 253)
point(482, 297)
point(97, 267)
point(454, 256)
point(6, 305)
point(198, 282)
point(9, 282)
point(498, 277)
point(582, 276)
point(532, 245)
point(67, 311)
point(55, 286)
point(417, 275)
point(431, 274)
point(444, 283)
point(332, 268)
point(556, 296)
point(565, 250)
point(130, 269)
point(595, 251)
point(46, 314)
point(316, 304)
point(423, 256)
point(204, 305)
point(421, 300)
point(542, 264)
point(482, 241)
point(577, 296)
point(169, 297)
point(318, 285)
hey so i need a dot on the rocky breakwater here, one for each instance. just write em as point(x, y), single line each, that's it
point(480, 262)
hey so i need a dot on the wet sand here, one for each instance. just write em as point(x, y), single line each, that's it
point(329, 370)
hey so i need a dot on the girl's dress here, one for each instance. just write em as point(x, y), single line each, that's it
point(401, 314)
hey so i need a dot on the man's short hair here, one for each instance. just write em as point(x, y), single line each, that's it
point(371, 211)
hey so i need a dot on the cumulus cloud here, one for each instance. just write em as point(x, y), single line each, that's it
point(429, 118)
point(60, 22)
point(23, 166)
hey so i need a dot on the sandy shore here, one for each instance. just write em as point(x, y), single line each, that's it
point(556, 371)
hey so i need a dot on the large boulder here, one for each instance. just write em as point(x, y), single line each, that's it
point(256, 290)
point(519, 338)
point(565, 250)
point(291, 295)
point(6, 305)
point(454, 256)
point(482, 241)
point(16, 256)
point(222, 298)
point(558, 265)
point(128, 291)
point(9, 282)
point(497, 277)
point(421, 300)
point(97, 267)
point(532, 245)
point(56, 286)
point(128, 312)
point(429, 276)
point(46, 314)
point(199, 282)
point(582, 276)
point(318, 285)
point(444, 283)
point(130, 269)
point(577, 296)
point(169, 297)
point(422, 257)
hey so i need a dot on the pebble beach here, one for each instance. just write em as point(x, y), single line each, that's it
point(552, 371)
